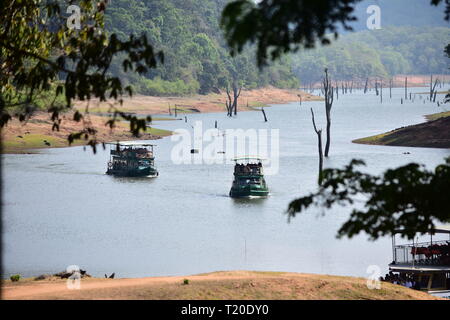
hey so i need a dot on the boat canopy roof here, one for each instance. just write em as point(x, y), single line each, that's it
point(248, 159)
point(439, 229)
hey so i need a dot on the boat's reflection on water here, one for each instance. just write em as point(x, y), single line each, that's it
point(249, 201)
point(136, 180)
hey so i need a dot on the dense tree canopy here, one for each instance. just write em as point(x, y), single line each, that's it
point(197, 58)
point(39, 54)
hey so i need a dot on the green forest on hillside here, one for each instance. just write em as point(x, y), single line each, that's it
point(197, 58)
point(377, 53)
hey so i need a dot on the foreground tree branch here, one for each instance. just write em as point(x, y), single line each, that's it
point(281, 26)
point(40, 53)
point(409, 197)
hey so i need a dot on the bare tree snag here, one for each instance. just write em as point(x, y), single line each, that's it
point(433, 89)
point(319, 141)
point(406, 88)
point(390, 88)
point(329, 96)
point(264, 114)
point(381, 91)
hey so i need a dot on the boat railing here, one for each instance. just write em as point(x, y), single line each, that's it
point(436, 253)
point(244, 171)
point(132, 154)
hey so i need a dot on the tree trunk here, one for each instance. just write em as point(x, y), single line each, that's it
point(329, 96)
point(264, 113)
point(319, 145)
point(236, 94)
point(406, 88)
point(381, 91)
point(390, 89)
point(229, 103)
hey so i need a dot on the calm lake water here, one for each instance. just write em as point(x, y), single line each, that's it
point(61, 209)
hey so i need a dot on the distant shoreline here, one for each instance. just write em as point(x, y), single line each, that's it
point(37, 132)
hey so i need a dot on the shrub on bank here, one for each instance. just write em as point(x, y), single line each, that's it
point(15, 278)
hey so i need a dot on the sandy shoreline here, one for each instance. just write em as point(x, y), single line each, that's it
point(37, 132)
point(227, 285)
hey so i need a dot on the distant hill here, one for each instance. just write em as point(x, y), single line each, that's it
point(377, 53)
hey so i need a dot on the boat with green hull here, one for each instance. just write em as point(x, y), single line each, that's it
point(132, 160)
point(249, 179)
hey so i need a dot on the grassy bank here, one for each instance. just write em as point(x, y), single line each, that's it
point(432, 134)
point(217, 285)
point(436, 116)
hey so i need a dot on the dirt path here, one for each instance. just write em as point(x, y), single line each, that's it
point(218, 285)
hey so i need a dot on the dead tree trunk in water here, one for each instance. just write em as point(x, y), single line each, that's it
point(228, 103)
point(406, 88)
point(329, 96)
point(319, 141)
point(390, 89)
point(366, 86)
point(264, 113)
point(381, 91)
point(433, 89)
